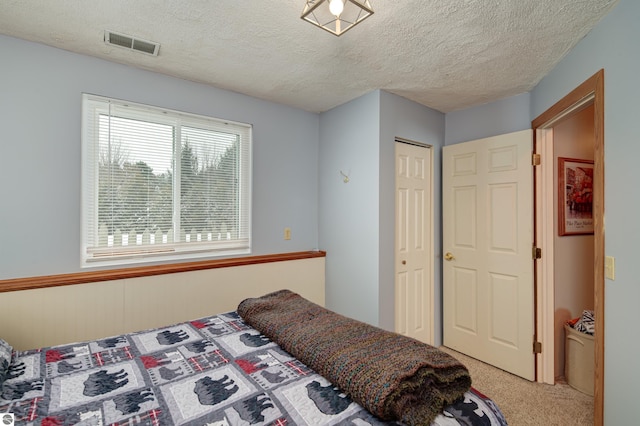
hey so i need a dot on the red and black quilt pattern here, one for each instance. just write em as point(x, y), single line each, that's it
point(212, 371)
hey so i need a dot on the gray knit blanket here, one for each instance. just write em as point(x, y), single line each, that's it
point(392, 376)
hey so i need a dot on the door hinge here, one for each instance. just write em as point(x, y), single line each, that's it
point(536, 253)
point(537, 347)
point(535, 159)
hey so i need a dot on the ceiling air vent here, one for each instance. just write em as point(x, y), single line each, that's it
point(132, 43)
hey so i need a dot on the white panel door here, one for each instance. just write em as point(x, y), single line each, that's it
point(488, 283)
point(414, 244)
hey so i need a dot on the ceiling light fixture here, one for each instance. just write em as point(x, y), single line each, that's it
point(336, 16)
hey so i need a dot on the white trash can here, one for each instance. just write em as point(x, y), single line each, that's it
point(579, 360)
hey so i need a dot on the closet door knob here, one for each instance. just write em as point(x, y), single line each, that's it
point(448, 256)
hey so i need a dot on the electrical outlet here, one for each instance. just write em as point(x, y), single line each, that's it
point(287, 233)
point(610, 267)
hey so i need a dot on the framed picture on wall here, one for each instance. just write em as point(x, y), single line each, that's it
point(575, 196)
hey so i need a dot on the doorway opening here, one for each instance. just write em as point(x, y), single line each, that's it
point(587, 99)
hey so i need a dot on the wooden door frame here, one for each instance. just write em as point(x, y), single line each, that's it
point(589, 92)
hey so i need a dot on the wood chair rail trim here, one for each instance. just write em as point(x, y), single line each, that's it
point(44, 281)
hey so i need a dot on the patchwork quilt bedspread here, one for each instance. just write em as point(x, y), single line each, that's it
point(211, 371)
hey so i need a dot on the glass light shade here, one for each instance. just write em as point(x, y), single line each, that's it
point(336, 7)
point(318, 13)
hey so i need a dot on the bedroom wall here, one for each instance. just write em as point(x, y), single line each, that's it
point(357, 219)
point(405, 119)
point(349, 212)
point(504, 116)
point(612, 45)
point(40, 117)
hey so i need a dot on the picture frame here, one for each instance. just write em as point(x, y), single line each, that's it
point(575, 196)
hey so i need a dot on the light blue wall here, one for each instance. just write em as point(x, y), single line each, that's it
point(349, 212)
point(357, 219)
point(504, 116)
point(613, 46)
point(40, 118)
point(401, 118)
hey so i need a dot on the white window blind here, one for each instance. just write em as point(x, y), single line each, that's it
point(162, 184)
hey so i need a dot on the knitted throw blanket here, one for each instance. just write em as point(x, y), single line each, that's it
point(392, 376)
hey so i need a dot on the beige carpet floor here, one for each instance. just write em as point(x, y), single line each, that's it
point(528, 403)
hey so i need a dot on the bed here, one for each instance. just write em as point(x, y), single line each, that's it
point(239, 368)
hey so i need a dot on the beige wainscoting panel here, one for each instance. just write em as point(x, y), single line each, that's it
point(56, 315)
point(65, 314)
point(167, 299)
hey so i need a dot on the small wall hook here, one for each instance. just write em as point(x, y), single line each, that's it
point(345, 176)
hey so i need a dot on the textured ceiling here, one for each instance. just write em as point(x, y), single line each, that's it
point(445, 54)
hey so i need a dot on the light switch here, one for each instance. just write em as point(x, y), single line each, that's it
point(610, 267)
point(287, 233)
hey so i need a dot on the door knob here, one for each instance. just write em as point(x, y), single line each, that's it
point(448, 256)
point(404, 262)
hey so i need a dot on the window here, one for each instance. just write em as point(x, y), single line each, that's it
point(161, 184)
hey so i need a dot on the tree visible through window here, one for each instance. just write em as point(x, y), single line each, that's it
point(162, 183)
